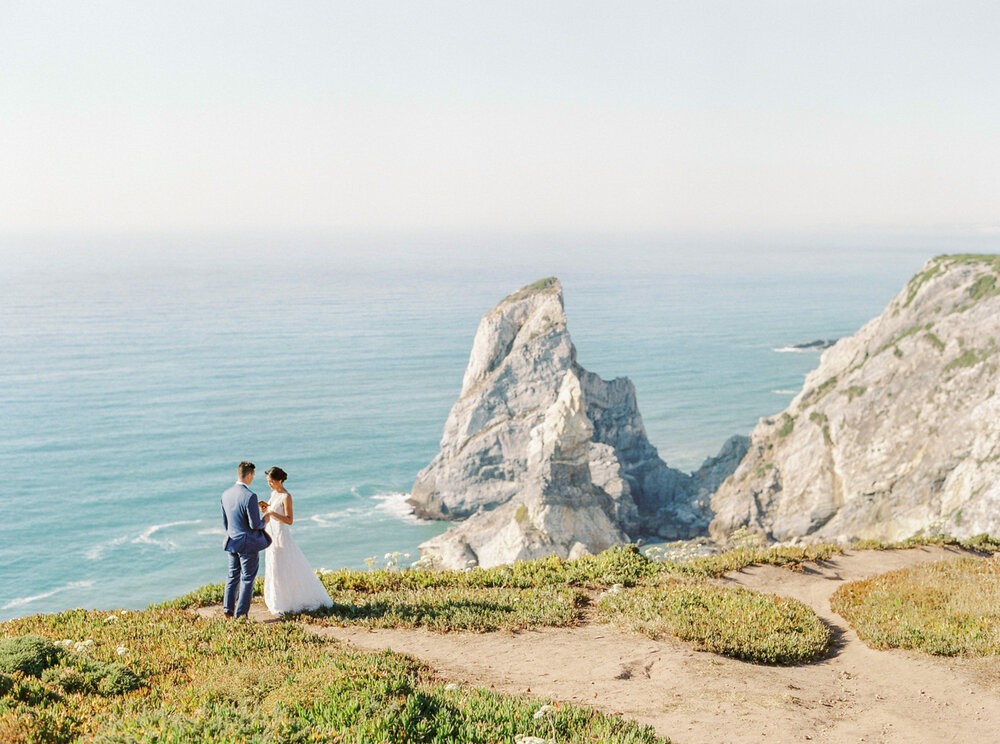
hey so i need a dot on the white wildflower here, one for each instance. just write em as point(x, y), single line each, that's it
point(522, 739)
point(616, 588)
point(451, 687)
point(124, 612)
point(122, 650)
point(543, 711)
point(111, 619)
point(406, 555)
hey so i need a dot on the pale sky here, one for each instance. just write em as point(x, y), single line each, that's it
point(468, 115)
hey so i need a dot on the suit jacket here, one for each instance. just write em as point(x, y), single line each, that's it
point(241, 518)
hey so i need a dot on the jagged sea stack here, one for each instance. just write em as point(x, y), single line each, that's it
point(522, 365)
point(557, 510)
point(896, 433)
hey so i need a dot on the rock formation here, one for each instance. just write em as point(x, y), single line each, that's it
point(557, 511)
point(896, 433)
point(514, 461)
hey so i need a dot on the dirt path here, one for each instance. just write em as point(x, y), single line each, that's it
point(856, 695)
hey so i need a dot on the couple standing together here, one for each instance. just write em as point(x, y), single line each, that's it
point(289, 583)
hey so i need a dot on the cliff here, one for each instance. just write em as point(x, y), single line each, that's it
point(896, 433)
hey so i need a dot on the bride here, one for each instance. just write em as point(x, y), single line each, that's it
point(290, 585)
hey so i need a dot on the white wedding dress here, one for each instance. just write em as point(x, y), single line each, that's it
point(290, 585)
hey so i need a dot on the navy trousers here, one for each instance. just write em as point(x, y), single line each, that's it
point(242, 572)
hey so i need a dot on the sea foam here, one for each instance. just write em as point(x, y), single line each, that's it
point(28, 600)
point(397, 505)
point(144, 538)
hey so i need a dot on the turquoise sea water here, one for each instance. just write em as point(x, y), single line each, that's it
point(129, 390)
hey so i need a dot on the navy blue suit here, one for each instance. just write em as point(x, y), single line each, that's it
point(245, 538)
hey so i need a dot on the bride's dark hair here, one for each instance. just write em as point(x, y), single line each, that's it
point(277, 474)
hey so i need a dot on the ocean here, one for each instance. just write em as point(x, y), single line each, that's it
point(134, 379)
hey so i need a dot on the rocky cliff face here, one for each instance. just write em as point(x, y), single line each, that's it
point(896, 433)
point(520, 372)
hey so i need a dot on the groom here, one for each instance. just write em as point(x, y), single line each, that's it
point(245, 538)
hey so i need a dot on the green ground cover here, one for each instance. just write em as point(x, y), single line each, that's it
point(211, 681)
point(948, 608)
point(736, 622)
point(454, 608)
point(624, 565)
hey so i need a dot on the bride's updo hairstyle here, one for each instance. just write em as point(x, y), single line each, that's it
point(277, 474)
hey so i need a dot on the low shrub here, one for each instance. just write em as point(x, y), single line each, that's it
point(736, 622)
point(82, 675)
point(29, 654)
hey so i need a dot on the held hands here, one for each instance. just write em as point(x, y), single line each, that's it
point(262, 505)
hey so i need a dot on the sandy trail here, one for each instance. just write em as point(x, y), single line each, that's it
point(856, 695)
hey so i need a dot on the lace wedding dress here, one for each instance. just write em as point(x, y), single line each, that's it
point(289, 582)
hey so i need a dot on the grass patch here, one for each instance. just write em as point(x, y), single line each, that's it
point(859, 365)
point(823, 422)
point(715, 566)
point(913, 286)
point(972, 357)
point(736, 622)
point(855, 391)
point(987, 260)
point(762, 470)
point(979, 543)
point(454, 608)
point(983, 288)
point(822, 390)
point(934, 341)
point(787, 425)
point(215, 681)
point(894, 343)
point(542, 285)
point(948, 608)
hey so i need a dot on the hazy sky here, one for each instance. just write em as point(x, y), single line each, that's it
point(469, 115)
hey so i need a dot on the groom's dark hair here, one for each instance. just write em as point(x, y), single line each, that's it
point(246, 468)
